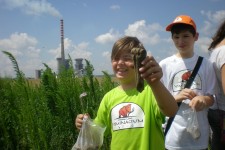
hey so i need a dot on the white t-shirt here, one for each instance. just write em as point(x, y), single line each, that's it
point(218, 58)
point(175, 74)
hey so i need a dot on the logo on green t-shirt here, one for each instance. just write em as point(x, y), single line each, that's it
point(127, 115)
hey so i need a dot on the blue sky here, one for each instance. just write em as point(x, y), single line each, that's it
point(30, 29)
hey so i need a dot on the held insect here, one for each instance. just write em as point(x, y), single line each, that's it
point(139, 55)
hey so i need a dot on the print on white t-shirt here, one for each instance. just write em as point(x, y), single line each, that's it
point(180, 79)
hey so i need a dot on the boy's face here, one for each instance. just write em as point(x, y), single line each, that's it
point(184, 42)
point(123, 67)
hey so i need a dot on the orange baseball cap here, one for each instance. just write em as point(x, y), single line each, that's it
point(182, 19)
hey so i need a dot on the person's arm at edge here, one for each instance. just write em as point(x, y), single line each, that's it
point(223, 77)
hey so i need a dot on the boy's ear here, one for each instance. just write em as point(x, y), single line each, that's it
point(196, 36)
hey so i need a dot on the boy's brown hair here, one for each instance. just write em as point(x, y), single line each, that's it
point(125, 44)
point(177, 28)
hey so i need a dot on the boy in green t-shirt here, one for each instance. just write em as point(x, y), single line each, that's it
point(134, 118)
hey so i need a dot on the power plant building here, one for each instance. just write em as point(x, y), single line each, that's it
point(79, 68)
point(37, 74)
point(63, 63)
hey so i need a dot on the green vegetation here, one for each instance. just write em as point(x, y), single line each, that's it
point(41, 116)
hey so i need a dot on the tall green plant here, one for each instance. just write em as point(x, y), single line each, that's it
point(21, 94)
point(42, 116)
point(19, 74)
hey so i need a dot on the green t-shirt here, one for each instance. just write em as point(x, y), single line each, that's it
point(133, 119)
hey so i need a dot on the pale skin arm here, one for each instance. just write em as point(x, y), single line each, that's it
point(223, 77)
point(198, 102)
point(152, 73)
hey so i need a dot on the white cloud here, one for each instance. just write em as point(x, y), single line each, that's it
point(207, 28)
point(214, 17)
point(81, 51)
point(84, 4)
point(33, 7)
point(23, 48)
point(105, 64)
point(17, 43)
point(111, 36)
point(146, 33)
point(115, 7)
point(107, 55)
point(210, 25)
point(202, 44)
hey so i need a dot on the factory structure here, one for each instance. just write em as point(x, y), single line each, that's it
point(63, 63)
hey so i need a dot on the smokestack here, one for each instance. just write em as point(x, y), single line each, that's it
point(62, 43)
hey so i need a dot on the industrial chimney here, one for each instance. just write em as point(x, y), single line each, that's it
point(62, 43)
point(62, 62)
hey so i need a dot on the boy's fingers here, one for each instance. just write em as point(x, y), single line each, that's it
point(79, 120)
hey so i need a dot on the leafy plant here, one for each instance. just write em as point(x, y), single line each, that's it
point(42, 116)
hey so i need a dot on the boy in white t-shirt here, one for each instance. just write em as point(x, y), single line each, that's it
point(176, 70)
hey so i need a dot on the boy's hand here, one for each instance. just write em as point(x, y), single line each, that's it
point(198, 103)
point(79, 121)
point(151, 71)
point(185, 94)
